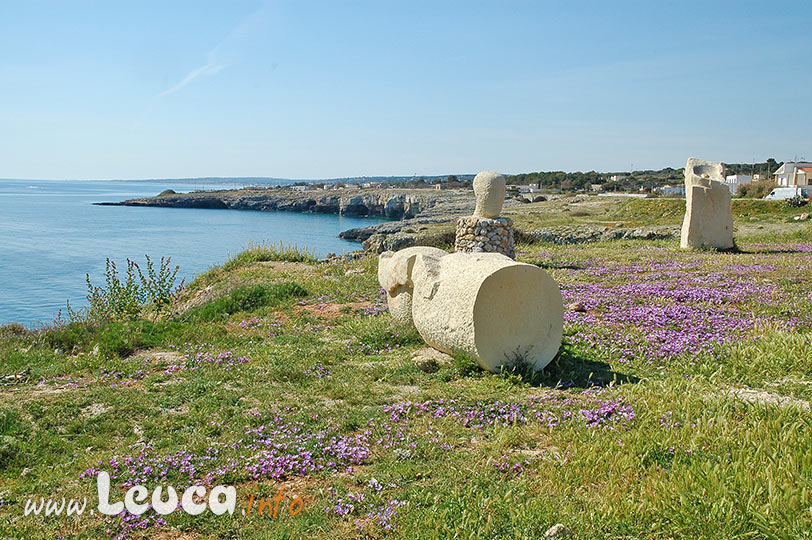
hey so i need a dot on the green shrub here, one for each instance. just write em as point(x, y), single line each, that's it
point(166, 192)
point(796, 202)
point(119, 338)
point(756, 190)
point(13, 330)
point(123, 298)
point(12, 445)
point(73, 335)
point(247, 298)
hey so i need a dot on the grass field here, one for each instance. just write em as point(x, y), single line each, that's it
point(678, 407)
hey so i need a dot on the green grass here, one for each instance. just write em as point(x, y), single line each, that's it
point(269, 252)
point(255, 343)
point(245, 299)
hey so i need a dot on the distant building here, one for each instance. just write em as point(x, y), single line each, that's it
point(371, 185)
point(596, 187)
point(794, 174)
point(299, 188)
point(673, 190)
point(736, 180)
point(532, 188)
point(618, 178)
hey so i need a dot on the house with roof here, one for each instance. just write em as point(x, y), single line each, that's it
point(794, 174)
point(735, 180)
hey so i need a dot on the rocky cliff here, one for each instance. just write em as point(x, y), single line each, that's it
point(388, 203)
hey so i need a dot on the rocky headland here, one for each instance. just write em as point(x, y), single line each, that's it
point(417, 216)
point(388, 203)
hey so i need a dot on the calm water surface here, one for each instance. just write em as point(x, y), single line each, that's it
point(51, 236)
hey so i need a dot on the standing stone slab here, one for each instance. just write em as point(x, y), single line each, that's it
point(708, 220)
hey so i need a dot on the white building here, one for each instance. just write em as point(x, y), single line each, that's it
point(523, 189)
point(736, 180)
point(299, 188)
point(794, 174)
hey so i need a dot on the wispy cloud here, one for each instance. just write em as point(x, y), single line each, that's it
point(211, 67)
point(214, 59)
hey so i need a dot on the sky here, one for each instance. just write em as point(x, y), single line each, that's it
point(114, 90)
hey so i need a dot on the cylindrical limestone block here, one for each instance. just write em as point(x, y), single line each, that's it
point(489, 307)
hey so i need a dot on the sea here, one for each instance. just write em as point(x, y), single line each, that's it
point(52, 236)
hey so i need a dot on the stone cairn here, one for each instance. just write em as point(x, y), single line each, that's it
point(485, 231)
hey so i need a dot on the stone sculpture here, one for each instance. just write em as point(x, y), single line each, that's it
point(489, 189)
point(485, 231)
point(485, 305)
point(708, 220)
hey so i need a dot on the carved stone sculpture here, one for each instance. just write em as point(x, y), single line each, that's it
point(708, 221)
point(489, 189)
point(485, 305)
point(485, 231)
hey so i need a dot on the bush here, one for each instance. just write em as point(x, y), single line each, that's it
point(13, 330)
point(247, 299)
point(166, 192)
point(114, 338)
point(796, 202)
point(756, 190)
point(124, 299)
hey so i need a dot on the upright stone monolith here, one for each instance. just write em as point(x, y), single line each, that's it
point(708, 221)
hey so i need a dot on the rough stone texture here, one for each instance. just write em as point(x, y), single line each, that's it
point(583, 235)
point(390, 203)
point(485, 305)
point(708, 220)
point(378, 243)
point(490, 235)
point(558, 532)
point(429, 360)
point(768, 398)
point(489, 188)
point(395, 276)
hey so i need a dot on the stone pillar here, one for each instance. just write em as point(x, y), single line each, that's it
point(488, 235)
point(708, 221)
point(485, 231)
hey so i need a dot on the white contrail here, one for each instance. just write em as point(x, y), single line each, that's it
point(210, 68)
point(213, 65)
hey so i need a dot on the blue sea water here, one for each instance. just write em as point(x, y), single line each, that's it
point(51, 235)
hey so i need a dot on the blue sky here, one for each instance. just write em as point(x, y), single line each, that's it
point(97, 90)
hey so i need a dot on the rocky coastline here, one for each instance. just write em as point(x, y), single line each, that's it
point(386, 203)
point(418, 216)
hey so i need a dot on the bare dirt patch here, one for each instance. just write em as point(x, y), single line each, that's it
point(330, 311)
point(288, 266)
point(175, 534)
point(160, 357)
point(94, 410)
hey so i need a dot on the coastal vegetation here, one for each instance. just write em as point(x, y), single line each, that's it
point(678, 406)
